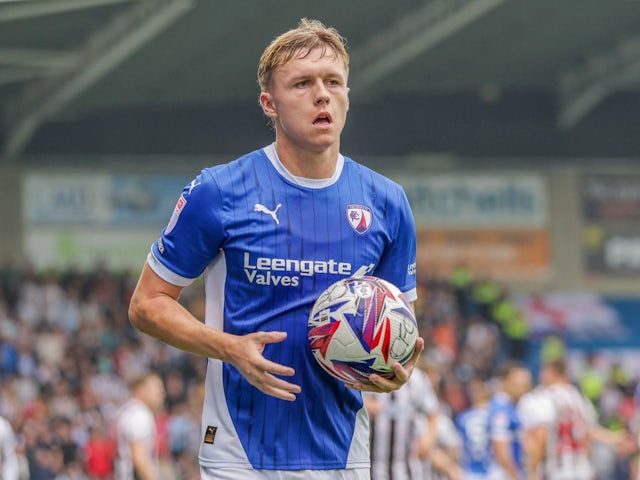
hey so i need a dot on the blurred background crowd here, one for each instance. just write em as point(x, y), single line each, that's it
point(67, 351)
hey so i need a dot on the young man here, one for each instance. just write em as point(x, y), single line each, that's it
point(473, 425)
point(271, 230)
point(560, 424)
point(505, 424)
point(136, 433)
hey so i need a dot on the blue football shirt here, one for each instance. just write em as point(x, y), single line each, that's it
point(269, 243)
point(473, 425)
point(505, 425)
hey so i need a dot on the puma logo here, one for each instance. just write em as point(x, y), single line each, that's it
point(258, 207)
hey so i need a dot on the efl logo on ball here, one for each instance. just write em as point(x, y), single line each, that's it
point(360, 326)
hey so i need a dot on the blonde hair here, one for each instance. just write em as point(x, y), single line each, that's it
point(301, 40)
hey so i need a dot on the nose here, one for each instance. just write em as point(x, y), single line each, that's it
point(322, 95)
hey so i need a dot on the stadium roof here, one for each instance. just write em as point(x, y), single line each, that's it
point(73, 72)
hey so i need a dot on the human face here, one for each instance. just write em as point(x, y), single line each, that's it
point(308, 101)
point(154, 393)
point(518, 382)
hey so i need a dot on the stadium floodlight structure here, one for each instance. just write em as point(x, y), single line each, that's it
point(21, 9)
point(102, 52)
point(583, 88)
point(415, 33)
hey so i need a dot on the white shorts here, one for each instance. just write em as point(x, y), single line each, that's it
point(208, 473)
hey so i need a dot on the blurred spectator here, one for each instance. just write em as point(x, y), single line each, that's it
point(66, 352)
point(99, 453)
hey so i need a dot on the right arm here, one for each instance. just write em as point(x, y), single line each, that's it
point(502, 450)
point(143, 464)
point(535, 448)
point(155, 310)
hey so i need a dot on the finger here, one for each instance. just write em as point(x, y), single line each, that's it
point(276, 368)
point(280, 384)
point(281, 394)
point(402, 373)
point(274, 386)
point(269, 337)
point(417, 351)
point(366, 387)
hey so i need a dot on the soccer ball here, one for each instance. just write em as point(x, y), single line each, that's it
point(360, 326)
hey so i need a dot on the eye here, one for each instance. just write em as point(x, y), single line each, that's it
point(301, 83)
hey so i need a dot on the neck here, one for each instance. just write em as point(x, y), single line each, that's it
point(305, 163)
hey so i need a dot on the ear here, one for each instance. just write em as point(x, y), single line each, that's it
point(348, 98)
point(268, 105)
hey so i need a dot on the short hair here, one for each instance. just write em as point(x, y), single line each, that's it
point(507, 367)
point(301, 40)
point(139, 379)
point(558, 365)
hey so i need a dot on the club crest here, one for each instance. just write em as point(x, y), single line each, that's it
point(359, 217)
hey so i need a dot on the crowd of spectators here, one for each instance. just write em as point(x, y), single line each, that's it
point(67, 350)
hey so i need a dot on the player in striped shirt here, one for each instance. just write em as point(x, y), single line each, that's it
point(271, 230)
point(559, 425)
point(398, 421)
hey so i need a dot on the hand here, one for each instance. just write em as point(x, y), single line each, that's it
point(401, 375)
point(245, 353)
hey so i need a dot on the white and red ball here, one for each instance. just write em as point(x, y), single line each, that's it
point(360, 326)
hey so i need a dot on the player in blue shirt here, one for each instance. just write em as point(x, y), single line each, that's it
point(505, 425)
point(473, 425)
point(270, 231)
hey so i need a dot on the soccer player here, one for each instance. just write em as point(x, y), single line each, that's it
point(136, 433)
point(9, 464)
point(473, 425)
point(271, 230)
point(505, 424)
point(400, 420)
point(560, 424)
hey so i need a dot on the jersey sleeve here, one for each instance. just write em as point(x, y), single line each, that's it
point(138, 426)
point(194, 234)
point(398, 264)
point(535, 409)
point(423, 396)
point(499, 424)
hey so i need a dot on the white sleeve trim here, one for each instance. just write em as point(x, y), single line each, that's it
point(412, 295)
point(167, 275)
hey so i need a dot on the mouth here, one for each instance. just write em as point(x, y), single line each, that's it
point(323, 118)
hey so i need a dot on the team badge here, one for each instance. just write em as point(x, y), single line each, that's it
point(359, 217)
point(175, 215)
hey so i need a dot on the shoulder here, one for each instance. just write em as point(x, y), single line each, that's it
point(5, 428)
point(234, 169)
point(499, 402)
point(371, 176)
point(535, 408)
